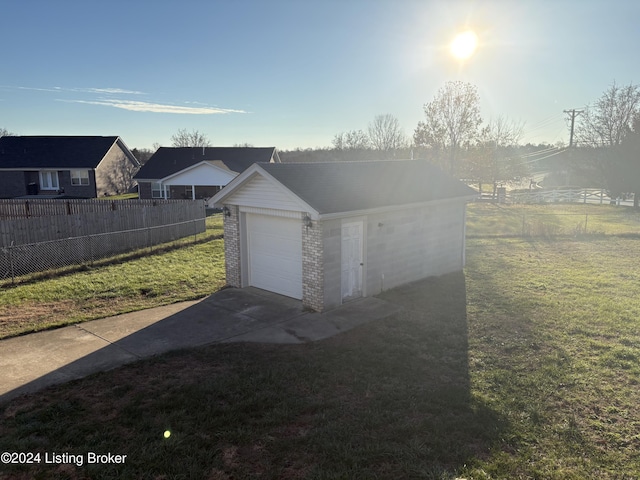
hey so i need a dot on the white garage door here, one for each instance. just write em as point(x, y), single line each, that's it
point(274, 250)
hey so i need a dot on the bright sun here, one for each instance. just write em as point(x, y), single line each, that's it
point(464, 44)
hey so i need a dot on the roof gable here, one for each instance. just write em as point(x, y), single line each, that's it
point(202, 173)
point(262, 191)
point(337, 187)
point(170, 160)
point(37, 152)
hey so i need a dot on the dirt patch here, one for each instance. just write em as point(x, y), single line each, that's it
point(32, 316)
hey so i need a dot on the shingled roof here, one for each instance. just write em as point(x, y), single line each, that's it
point(169, 160)
point(35, 152)
point(336, 187)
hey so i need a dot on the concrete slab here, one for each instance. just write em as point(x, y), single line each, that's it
point(34, 361)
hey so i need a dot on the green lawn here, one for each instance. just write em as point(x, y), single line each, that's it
point(527, 366)
point(170, 273)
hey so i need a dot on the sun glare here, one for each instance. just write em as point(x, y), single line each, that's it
point(464, 45)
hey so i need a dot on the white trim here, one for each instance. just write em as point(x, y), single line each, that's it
point(80, 177)
point(218, 200)
point(271, 211)
point(44, 185)
point(45, 169)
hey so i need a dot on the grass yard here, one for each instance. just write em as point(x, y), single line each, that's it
point(171, 273)
point(527, 366)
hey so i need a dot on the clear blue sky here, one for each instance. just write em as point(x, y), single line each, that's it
point(293, 73)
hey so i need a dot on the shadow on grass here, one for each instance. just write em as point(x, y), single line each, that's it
point(390, 399)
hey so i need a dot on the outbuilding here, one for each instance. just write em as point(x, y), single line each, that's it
point(326, 233)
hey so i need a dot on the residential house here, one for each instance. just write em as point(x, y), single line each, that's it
point(62, 166)
point(196, 172)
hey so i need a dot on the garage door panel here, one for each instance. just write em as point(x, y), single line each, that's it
point(275, 254)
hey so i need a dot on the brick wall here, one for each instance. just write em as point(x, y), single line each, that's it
point(12, 184)
point(144, 189)
point(312, 267)
point(232, 247)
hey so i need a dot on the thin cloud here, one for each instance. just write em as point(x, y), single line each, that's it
point(109, 91)
point(156, 107)
point(103, 91)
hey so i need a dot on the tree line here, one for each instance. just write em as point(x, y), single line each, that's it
point(453, 136)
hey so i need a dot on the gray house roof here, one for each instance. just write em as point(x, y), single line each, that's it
point(335, 187)
point(38, 152)
point(169, 160)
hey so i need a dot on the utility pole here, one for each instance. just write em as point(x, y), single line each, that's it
point(573, 114)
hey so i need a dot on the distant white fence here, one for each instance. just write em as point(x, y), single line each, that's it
point(584, 195)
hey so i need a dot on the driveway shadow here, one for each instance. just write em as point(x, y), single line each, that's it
point(33, 362)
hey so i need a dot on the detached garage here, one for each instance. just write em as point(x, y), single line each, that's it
point(327, 233)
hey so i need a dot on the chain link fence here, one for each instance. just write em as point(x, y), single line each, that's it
point(550, 221)
point(22, 260)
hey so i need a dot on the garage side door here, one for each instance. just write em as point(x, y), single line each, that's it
point(274, 250)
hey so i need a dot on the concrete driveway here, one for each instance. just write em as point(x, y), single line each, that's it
point(32, 362)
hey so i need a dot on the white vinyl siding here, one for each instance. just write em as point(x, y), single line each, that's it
point(49, 180)
point(260, 192)
point(79, 177)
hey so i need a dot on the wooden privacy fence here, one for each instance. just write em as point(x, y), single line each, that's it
point(37, 244)
point(36, 229)
point(17, 208)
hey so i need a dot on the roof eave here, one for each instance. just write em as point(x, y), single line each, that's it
point(392, 208)
point(218, 199)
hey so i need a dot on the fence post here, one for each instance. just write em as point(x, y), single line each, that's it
point(195, 231)
point(90, 251)
point(523, 225)
point(586, 219)
point(13, 277)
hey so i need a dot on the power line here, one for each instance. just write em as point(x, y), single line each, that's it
point(543, 158)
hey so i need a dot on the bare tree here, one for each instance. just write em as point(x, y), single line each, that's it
point(183, 138)
point(606, 123)
point(385, 134)
point(606, 135)
point(452, 120)
point(495, 160)
point(119, 179)
point(351, 140)
point(142, 154)
point(5, 133)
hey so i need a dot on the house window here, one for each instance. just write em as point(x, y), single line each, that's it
point(79, 177)
point(156, 190)
point(49, 180)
